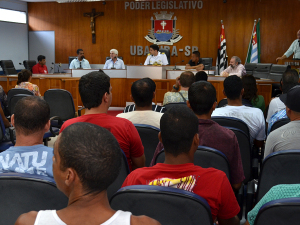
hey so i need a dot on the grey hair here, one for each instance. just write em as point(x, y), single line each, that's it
point(114, 51)
point(237, 59)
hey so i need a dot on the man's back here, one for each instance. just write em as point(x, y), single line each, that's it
point(173, 97)
point(123, 130)
point(147, 117)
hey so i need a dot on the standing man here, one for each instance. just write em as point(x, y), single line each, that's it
point(294, 48)
point(155, 57)
point(235, 68)
point(114, 62)
point(40, 67)
point(80, 62)
point(195, 62)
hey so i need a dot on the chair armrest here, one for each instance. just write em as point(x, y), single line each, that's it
point(255, 168)
point(79, 111)
point(60, 122)
point(11, 134)
point(240, 199)
point(250, 197)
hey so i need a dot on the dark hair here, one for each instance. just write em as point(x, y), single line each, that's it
point(197, 53)
point(250, 88)
point(142, 93)
point(201, 75)
point(93, 152)
point(290, 78)
point(31, 115)
point(202, 96)
point(233, 86)
point(151, 82)
point(187, 78)
point(178, 127)
point(92, 88)
point(41, 57)
point(78, 50)
point(24, 76)
point(154, 47)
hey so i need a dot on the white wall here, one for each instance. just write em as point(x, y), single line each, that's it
point(13, 36)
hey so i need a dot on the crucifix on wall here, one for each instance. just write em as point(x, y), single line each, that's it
point(93, 15)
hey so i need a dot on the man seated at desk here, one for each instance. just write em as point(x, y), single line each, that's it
point(195, 62)
point(40, 67)
point(114, 62)
point(80, 62)
point(155, 57)
point(235, 68)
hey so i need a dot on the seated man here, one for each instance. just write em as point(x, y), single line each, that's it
point(253, 117)
point(40, 67)
point(185, 80)
point(155, 57)
point(277, 192)
point(96, 95)
point(142, 95)
point(201, 75)
point(179, 135)
point(87, 159)
point(29, 155)
point(195, 62)
point(286, 137)
point(277, 108)
point(235, 68)
point(202, 100)
point(155, 108)
point(114, 62)
point(80, 62)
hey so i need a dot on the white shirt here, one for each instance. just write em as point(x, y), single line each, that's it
point(239, 70)
point(253, 117)
point(83, 64)
point(147, 117)
point(275, 106)
point(119, 64)
point(160, 59)
point(294, 48)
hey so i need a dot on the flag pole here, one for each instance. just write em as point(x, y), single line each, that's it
point(250, 40)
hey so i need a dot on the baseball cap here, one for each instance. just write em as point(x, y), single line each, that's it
point(292, 98)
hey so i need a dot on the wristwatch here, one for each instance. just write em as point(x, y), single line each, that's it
point(175, 87)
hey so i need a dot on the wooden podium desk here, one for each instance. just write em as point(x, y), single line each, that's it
point(294, 63)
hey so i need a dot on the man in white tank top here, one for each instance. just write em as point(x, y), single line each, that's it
point(87, 159)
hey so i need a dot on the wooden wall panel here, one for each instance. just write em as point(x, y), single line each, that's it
point(120, 28)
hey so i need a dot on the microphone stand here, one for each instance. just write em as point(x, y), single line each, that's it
point(113, 67)
point(175, 68)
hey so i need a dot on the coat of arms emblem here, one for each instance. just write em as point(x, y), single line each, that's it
point(163, 29)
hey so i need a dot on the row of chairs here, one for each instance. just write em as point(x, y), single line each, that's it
point(9, 68)
point(266, 70)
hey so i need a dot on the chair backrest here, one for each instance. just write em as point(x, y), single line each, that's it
point(207, 62)
point(232, 122)
point(71, 59)
point(170, 105)
point(205, 157)
point(22, 193)
point(28, 64)
point(8, 67)
point(119, 57)
point(169, 206)
point(117, 184)
point(167, 52)
point(149, 137)
point(277, 71)
point(61, 103)
point(280, 167)
point(13, 101)
point(14, 95)
point(262, 70)
point(280, 211)
point(224, 102)
point(246, 152)
point(250, 67)
point(280, 123)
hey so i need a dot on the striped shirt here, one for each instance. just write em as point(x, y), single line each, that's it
point(277, 116)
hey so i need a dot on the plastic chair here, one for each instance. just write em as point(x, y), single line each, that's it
point(170, 105)
point(250, 67)
point(16, 91)
point(207, 62)
point(262, 70)
point(169, 206)
point(28, 64)
point(280, 123)
point(8, 67)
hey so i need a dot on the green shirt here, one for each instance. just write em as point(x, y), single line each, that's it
point(260, 103)
point(277, 192)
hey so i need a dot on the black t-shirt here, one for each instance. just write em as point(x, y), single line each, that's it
point(194, 64)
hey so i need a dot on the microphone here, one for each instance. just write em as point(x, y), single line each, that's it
point(59, 65)
point(175, 65)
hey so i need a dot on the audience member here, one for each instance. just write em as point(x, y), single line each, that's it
point(236, 68)
point(29, 155)
point(179, 135)
point(202, 100)
point(201, 75)
point(280, 191)
point(250, 92)
point(96, 95)
point(287, 137)
point(185, 80)
point(142, 95)
point(40, 67)
point(195, 62)
point(289, 79)
point(155, 108)
point(253, 117)
point(24, 78)
point(87, 159)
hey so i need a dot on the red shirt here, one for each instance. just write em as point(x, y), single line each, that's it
point(38, 69)
point(210, 184)
point(123, 130)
